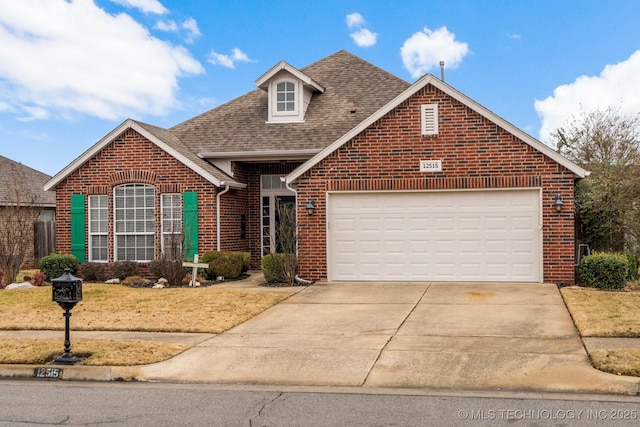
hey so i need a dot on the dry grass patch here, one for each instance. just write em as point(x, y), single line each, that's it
point(120, 308)
point(598, 313)
point(624, 361)
point(93, 352)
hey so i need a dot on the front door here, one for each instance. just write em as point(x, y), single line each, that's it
point(278, 216)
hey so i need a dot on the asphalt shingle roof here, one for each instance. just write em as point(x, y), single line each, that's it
point(240, 125)
point(175, 143)
point(29, 182)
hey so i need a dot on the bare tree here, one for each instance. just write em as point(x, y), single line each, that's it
point(607, 143)
point(17, 215)
point(286, 239)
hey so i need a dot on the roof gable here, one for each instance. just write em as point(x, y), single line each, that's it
point(163, 139)
point(263, 81)
point(429, 79)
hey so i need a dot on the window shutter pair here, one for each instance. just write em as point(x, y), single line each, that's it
point(189, 219)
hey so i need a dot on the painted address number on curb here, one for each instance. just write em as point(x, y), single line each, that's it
point(55, 373)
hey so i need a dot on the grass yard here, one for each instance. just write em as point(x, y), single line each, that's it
point(121, 308)
point(93, 352)
point(598, 313)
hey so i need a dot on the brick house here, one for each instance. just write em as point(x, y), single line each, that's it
point(406, 182)
point(24, 202)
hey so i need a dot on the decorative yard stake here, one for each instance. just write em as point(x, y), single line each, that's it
point(195, 265)
point(67, 292)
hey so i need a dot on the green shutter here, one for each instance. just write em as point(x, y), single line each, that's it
point(190, 221)
point(78, 246)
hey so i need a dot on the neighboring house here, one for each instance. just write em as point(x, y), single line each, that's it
point(408, 182)
point(22, 187)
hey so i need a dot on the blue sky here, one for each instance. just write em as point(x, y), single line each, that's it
point(72, 70)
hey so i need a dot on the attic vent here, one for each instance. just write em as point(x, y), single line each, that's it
point(429, 119)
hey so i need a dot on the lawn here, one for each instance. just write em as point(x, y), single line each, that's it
point(598, 313)
point(122, 308)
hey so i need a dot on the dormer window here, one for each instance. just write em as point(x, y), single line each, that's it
point(289, 92)
point(285, 97)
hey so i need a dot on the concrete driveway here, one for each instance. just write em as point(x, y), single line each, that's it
point(405, 335)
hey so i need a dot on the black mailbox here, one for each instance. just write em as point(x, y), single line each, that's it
point(67, 289)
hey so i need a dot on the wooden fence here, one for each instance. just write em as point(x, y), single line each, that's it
point(44, 240)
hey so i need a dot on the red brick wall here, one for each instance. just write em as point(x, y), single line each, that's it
point(475, 153)
point(131, 158)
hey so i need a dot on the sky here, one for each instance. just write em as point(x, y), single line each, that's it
point(73, 70)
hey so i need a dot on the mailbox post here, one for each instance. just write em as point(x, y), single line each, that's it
point(67, 292)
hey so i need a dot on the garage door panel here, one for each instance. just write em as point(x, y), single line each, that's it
point(464, 235)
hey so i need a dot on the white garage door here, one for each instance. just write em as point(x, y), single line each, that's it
point(438, 236)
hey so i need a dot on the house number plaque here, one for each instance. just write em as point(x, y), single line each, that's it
point(430, 165)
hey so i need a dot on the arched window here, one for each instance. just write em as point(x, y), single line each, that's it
point(134, 222)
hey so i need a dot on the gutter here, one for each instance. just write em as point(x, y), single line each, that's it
point(299, 280)
point(227, 188)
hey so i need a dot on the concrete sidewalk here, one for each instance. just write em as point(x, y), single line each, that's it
point(399, 335)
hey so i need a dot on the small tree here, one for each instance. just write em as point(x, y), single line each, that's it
point(286, 239)
point(607, 143)
point(169, 266)
point(17, 215)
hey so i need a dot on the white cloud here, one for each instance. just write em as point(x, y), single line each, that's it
point(193, 32)
point(617, 85)
point(363, 37)
point(146, 6)
point(228, 61)
point(354, 20)
point(169, 26)
point(425, 49)
point(59, 57)
point(190, 25)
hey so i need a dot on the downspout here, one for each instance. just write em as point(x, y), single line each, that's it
point(298, 279)
point(227, 188)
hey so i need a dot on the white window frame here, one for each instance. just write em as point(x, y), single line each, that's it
point(429, 119)
point(271, 187)
point(296, 96)
point(171, 214)
point(134, 218)
point(98, 219)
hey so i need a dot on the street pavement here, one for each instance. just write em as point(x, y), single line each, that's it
point(464, 336)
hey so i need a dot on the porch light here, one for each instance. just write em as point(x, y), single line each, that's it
point(311, 205)
point(558, 203)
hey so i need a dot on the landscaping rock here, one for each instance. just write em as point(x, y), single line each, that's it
point(112, 281)
point(23, 285)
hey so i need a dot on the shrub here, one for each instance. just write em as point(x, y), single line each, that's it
point(604, 270)
point(172, 270)
point(135, 281)
point(226, 264)
point(38, 278)
point(1, 278)
point(634, 264)
point(275, 268)
point(246, 260)
point(94, 271)
point(53, 265)
point(122, 269)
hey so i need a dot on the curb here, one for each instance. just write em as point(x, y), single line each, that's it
point(629, 386)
